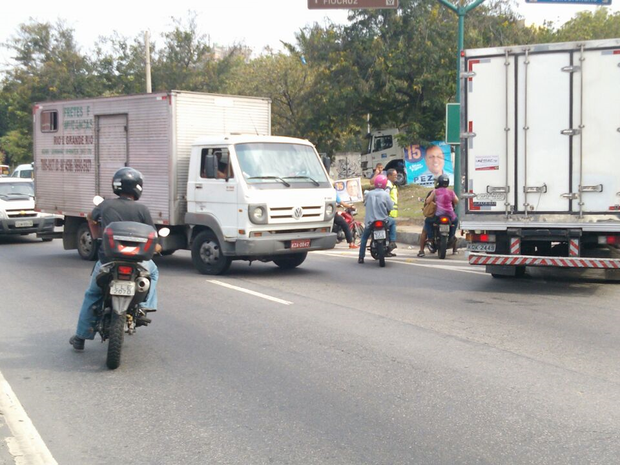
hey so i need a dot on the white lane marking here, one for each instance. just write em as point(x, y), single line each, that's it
point(399, 260)
point(247, 291)
point(26, 445)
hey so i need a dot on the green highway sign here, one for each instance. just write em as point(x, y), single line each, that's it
point(351, 4)
point(453, 123)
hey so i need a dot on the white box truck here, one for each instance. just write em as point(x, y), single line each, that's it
point(540, 147)
point(383, 147)
point(214, 175)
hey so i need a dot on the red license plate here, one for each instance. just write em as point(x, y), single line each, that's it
point(300, 243)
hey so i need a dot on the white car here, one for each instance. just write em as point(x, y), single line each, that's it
point(24, 171)
point(17, 213)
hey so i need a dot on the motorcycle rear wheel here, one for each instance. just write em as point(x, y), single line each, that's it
point(381, 253)
point(115, 343)
point(443, 247)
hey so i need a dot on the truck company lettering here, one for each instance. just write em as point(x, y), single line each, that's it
point(74, 140)
point(339, 2)
point(77, 165)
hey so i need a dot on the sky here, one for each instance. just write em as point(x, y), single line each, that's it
point(256, 23)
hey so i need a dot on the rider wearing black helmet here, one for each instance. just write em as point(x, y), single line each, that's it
point(127, 184)
point(446, 201)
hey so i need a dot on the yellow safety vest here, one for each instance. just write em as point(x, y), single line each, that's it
point(394, 197)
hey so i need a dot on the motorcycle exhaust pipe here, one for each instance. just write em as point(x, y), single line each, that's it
point(143, 285)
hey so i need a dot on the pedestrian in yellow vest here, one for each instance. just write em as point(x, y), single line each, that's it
point(392, 174)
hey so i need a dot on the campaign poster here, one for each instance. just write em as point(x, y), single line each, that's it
point(349, 190)
point(424, 163)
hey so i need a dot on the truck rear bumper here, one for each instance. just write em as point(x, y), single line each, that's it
point(281, 244)
point(559, 262)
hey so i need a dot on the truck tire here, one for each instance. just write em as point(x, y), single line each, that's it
point(401, 178)
point(443, 247)
point(207, 254)
point(87, 247)
point(115, 343)
point(288, 262)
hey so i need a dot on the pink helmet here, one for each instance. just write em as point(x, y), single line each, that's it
point(381, 181)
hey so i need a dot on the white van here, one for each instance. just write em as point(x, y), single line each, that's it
point(24, 171)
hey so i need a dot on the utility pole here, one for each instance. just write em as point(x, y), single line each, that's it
point(460, 11)
point(148, 62)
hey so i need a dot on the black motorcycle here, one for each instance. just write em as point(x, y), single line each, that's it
point(125, 283)
point(443, 236)
point(379, 241)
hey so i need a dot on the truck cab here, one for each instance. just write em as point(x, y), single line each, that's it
point(257, 198)
point(384, 148)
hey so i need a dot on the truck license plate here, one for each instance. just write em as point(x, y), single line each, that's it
point(481, 247)
point(122, 288)
point(24, 224)
point(378, 234)
point(444, 228)
point(300, 243)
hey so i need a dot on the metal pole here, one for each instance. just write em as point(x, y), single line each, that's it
point(148, 62)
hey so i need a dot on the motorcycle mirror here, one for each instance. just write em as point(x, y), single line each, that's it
point(97, 199)
point(163, 232)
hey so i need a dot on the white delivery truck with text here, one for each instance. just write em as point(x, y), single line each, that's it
point(214, 175)
point(540, 145)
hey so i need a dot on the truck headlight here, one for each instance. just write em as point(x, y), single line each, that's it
point(258, 214)
point(330, 210)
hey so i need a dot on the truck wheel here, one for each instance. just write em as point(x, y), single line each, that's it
point(87, 247)
point(401, 178)
point(207, 254)
point(288, 262)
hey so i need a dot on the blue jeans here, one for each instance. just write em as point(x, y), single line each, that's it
point(428, 226)
point(392, 232)
point(93, 295)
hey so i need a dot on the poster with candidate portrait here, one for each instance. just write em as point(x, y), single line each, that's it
point(424, 163)
point(349, 190)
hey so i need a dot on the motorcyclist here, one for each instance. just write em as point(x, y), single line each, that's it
point(127, 184)
point(378, 206)
point(446, 201)
point(340, 221)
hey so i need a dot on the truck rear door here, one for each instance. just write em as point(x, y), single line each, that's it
point(597, 168)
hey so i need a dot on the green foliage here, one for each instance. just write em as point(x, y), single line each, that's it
point(396, 67)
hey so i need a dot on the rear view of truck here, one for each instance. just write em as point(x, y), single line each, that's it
point(540, 146)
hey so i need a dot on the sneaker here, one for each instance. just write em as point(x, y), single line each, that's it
point(353, 246)
point(392, 246)
point(390, 254)
point(77, 342)
point(360, 261)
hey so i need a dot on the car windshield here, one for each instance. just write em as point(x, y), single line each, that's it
point(16, 188)
point(283, 164)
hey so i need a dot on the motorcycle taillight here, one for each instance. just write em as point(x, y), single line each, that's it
point(444, 220)
point(379, 224)
point(124, 273)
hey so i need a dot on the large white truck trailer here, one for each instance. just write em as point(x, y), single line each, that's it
point(540, 147)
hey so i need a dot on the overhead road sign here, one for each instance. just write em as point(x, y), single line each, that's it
point(351, 4)
point(573, 2)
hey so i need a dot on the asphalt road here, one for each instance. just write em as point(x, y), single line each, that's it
point(421, 362)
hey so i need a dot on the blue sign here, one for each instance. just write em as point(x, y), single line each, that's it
point(573, 2)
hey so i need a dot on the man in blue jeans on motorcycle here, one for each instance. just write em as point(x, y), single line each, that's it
point(127, 184)
point(378, 206)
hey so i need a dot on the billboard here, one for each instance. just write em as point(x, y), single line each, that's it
point(424, 163)
point(349, 190)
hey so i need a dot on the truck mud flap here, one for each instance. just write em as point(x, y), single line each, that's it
point(560, 262)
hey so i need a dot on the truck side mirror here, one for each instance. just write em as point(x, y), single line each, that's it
point(210, 166)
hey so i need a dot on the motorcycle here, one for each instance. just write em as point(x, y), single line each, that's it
point(125, 283)
point(443, 236)
point(379, 241)
point(356, 227)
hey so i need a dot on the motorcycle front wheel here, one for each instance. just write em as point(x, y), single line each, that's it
point(115, 343)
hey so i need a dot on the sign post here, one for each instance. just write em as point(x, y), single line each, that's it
point(453, 123)
point(351, 4)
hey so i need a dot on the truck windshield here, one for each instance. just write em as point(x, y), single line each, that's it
point(8, 189)
point(285, 165)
